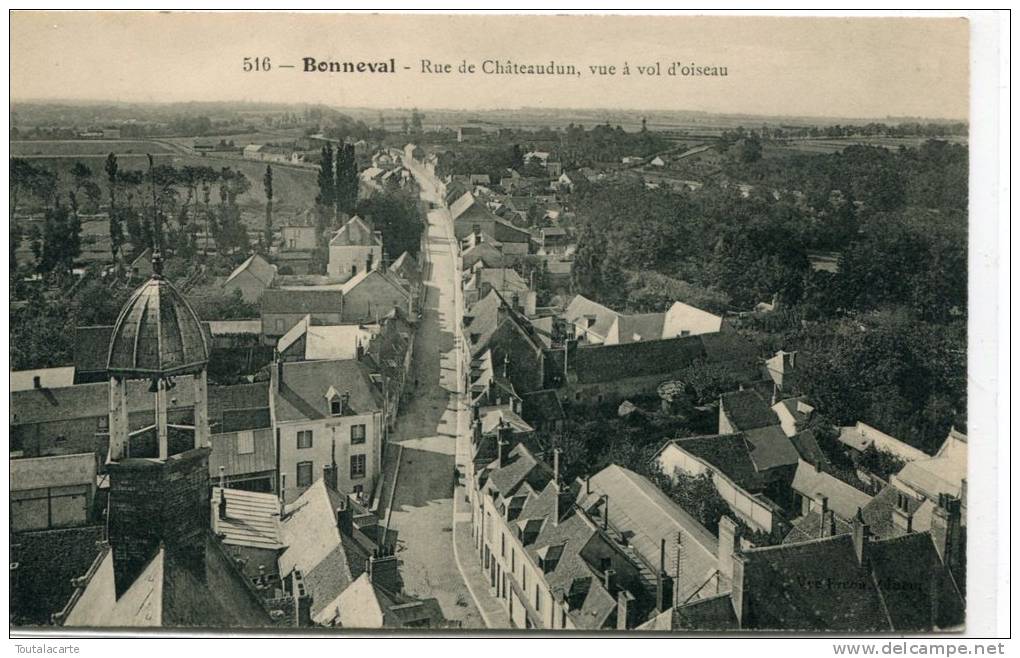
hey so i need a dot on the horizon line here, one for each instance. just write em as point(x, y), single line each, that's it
point(721, 113)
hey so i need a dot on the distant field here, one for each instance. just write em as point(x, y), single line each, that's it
point(85, 147)
point(836, 145)
point(268, 136)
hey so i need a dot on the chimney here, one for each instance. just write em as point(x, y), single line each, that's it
point(563, 501)
point(934, 580)
point(476, 432)
point(828, 528)
point(223, 478)
point(223, 504)
point(945, 529)
point(729, 545)
point(605, 512)
point(36, 381)
point(345, 517)
point(902, 517)
point(823, 503)
point(359, 350)
point(624, 613)
point(504, 433)
point(501, 448)
point(382, 570)
point(663, 583)
point(609, 579)
point(739, 598)
point(862, 538)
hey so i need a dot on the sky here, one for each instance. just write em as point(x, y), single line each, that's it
point(819, 67)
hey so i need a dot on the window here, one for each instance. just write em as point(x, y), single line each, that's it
point(502, 546)
point(245, 443)
point(538, 599)
point(684, 332)
point(359, 489)
point(357, 466)
point(357, 434)
point(279, 325)
point(304, 474)
point(293, 243)
point(102, 424)
point(304, 439)
point(513, 560)
point(354, 270)
point(336, 407)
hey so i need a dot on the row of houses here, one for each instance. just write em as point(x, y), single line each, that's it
point(612, 550)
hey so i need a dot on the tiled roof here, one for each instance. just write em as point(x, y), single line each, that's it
point(581, 307)
point(727, 453)
point(384, 275)
point(226, 453)
point(252, 519)
point(301, 302)
point(170, 593)
point(807, 447)
point(748, 410)
point(771, 448)
point(502, 279)
point(644, 326)
point(810, 526)
point(258, 267)
point(645, 516)
point(844, 500)
point(328, 560)
point(878, 513)
point(355, 233)
point(541, 407)
point(816, 585)
point(709, 614)
point(607, 363)
point(302, 395)
point(83, 401)
point(907, 570)
point(521, 466)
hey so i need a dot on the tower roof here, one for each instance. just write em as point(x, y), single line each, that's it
point(157, 333)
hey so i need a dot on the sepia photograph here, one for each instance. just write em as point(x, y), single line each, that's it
point(424, 324)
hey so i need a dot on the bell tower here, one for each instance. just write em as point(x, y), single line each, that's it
point(158, 464)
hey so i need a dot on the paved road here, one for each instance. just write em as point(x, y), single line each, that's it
point(421, 516)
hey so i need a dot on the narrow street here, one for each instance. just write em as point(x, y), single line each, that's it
point(422, 512)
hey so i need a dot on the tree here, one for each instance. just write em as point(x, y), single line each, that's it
point(267, 185)
point(416, 121)
point(61, 240)
point(395, 215)
point(116, 229)
point(346, 189)
point(588, 260)
point(697, 495)
point(327, 189)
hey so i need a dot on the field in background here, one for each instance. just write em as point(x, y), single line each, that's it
point(85, 147)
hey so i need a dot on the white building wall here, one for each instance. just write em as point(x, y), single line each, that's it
point(343, 257)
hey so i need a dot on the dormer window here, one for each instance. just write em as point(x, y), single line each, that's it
point(336, 402)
